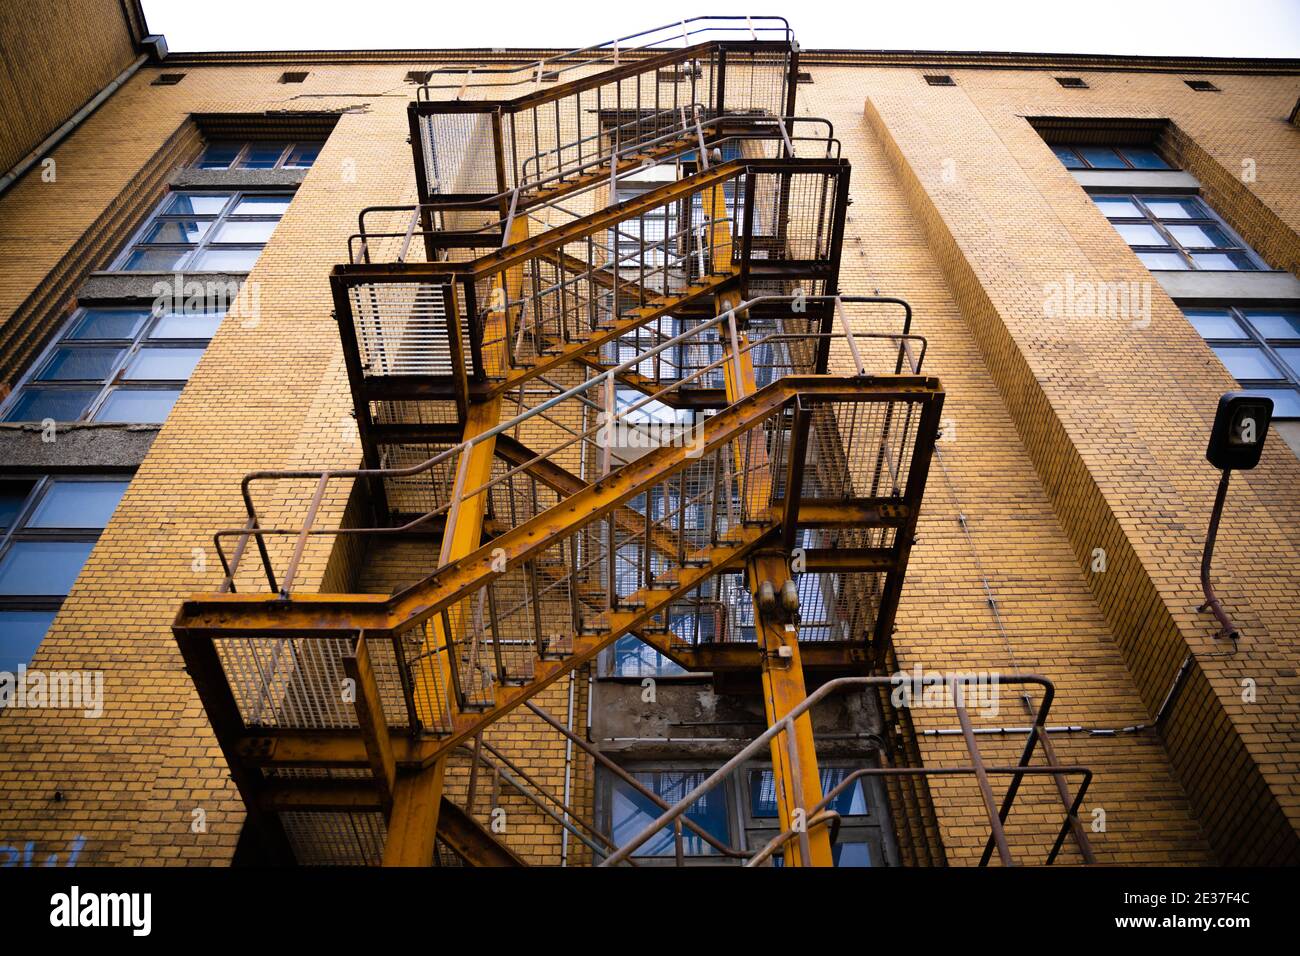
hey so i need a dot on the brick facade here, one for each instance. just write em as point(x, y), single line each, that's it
point(1069, 436)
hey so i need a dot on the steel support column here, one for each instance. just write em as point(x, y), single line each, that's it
point(794, 763)
point(413, 827)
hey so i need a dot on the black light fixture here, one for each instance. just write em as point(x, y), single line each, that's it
point(1236, 442)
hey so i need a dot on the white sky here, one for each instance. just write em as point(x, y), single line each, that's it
point(1153, 27)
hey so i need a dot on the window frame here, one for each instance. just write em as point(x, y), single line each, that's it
point(18, 531)
point(115, 379)
point(246, 146)
point(190, 252)
point(746, 831)
point(1253, 338)
point(604, 809)
point(1117, 148)
point(1187, 253)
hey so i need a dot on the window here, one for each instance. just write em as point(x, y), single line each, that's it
point(205, 232)
point(1072, 82)
point(939, 79)
point(1202, 86)
point(418, 76)
point(1176, 232)
point(48, 526)
point(861, 805)
point(261, 154)
point(293, 76)
point(113, 365)
point(1260, 349)
point(168, 79)
point(626, 811)
point(741, 811)
point(1109, 157)
point(632, 657)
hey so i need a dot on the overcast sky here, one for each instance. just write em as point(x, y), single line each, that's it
point(1156, 27)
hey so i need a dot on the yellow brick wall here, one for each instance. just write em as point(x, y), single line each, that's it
point(1114, 420)
point(58, 55)
point(1048, 459)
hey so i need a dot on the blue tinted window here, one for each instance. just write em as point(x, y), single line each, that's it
point(852, 854)
point(1292, 358)
point(214, 259)
point(261, 206)
point(1067, 156)
point(163, 364)
point(1215, 324)
point(109, 324)
point(302, 156)
point(196, 204)
point(1246, 362)
point(1286, 401)
point(154, 260)
point(1275, 323)
point(632, 657)
point(852, 801)
point(77, 504)
point(80, 364)
point(60, 404)
point(20, 634)
point(262, 155)
point(138, 405)
point(42, 567)
point(12, 496)
point(219, 155)
point(631, 812)
point(1102, 157)
point(191, 325)
point(1143, 158)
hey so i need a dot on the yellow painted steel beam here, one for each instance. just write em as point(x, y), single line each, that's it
point(413, 826)
point(370, 721)
point(303, 614)
point(655, 308)
point(794, 762)
point(463, 536)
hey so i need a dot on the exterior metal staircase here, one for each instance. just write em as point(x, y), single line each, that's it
point(593, 364)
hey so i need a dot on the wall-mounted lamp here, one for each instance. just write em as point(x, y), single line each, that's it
point(1236, 442)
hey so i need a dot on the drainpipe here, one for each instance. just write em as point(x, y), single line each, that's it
point(53, 140)
point(568, 776)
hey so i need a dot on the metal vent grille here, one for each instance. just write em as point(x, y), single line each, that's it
point(402, 328)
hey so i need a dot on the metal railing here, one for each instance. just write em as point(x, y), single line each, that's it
point(681, 33)
point(537, 301)
point(607, 98)
point(570, 414)
point(436, 228)
point(818, 814)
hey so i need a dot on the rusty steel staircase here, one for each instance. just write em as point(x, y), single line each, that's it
point(592, 364)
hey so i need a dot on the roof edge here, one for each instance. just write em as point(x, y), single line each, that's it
point(830, 57)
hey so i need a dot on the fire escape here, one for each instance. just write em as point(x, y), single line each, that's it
point(593, 361)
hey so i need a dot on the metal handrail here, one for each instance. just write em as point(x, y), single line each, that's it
point(252, 528)
point(785, 725)
point(616, 48)
point(510, 197)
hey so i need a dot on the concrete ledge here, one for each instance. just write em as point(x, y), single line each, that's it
point(141, 286)
point(82, 447)
point(1188, 287)
point(1135, 180)
point(189, 178)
